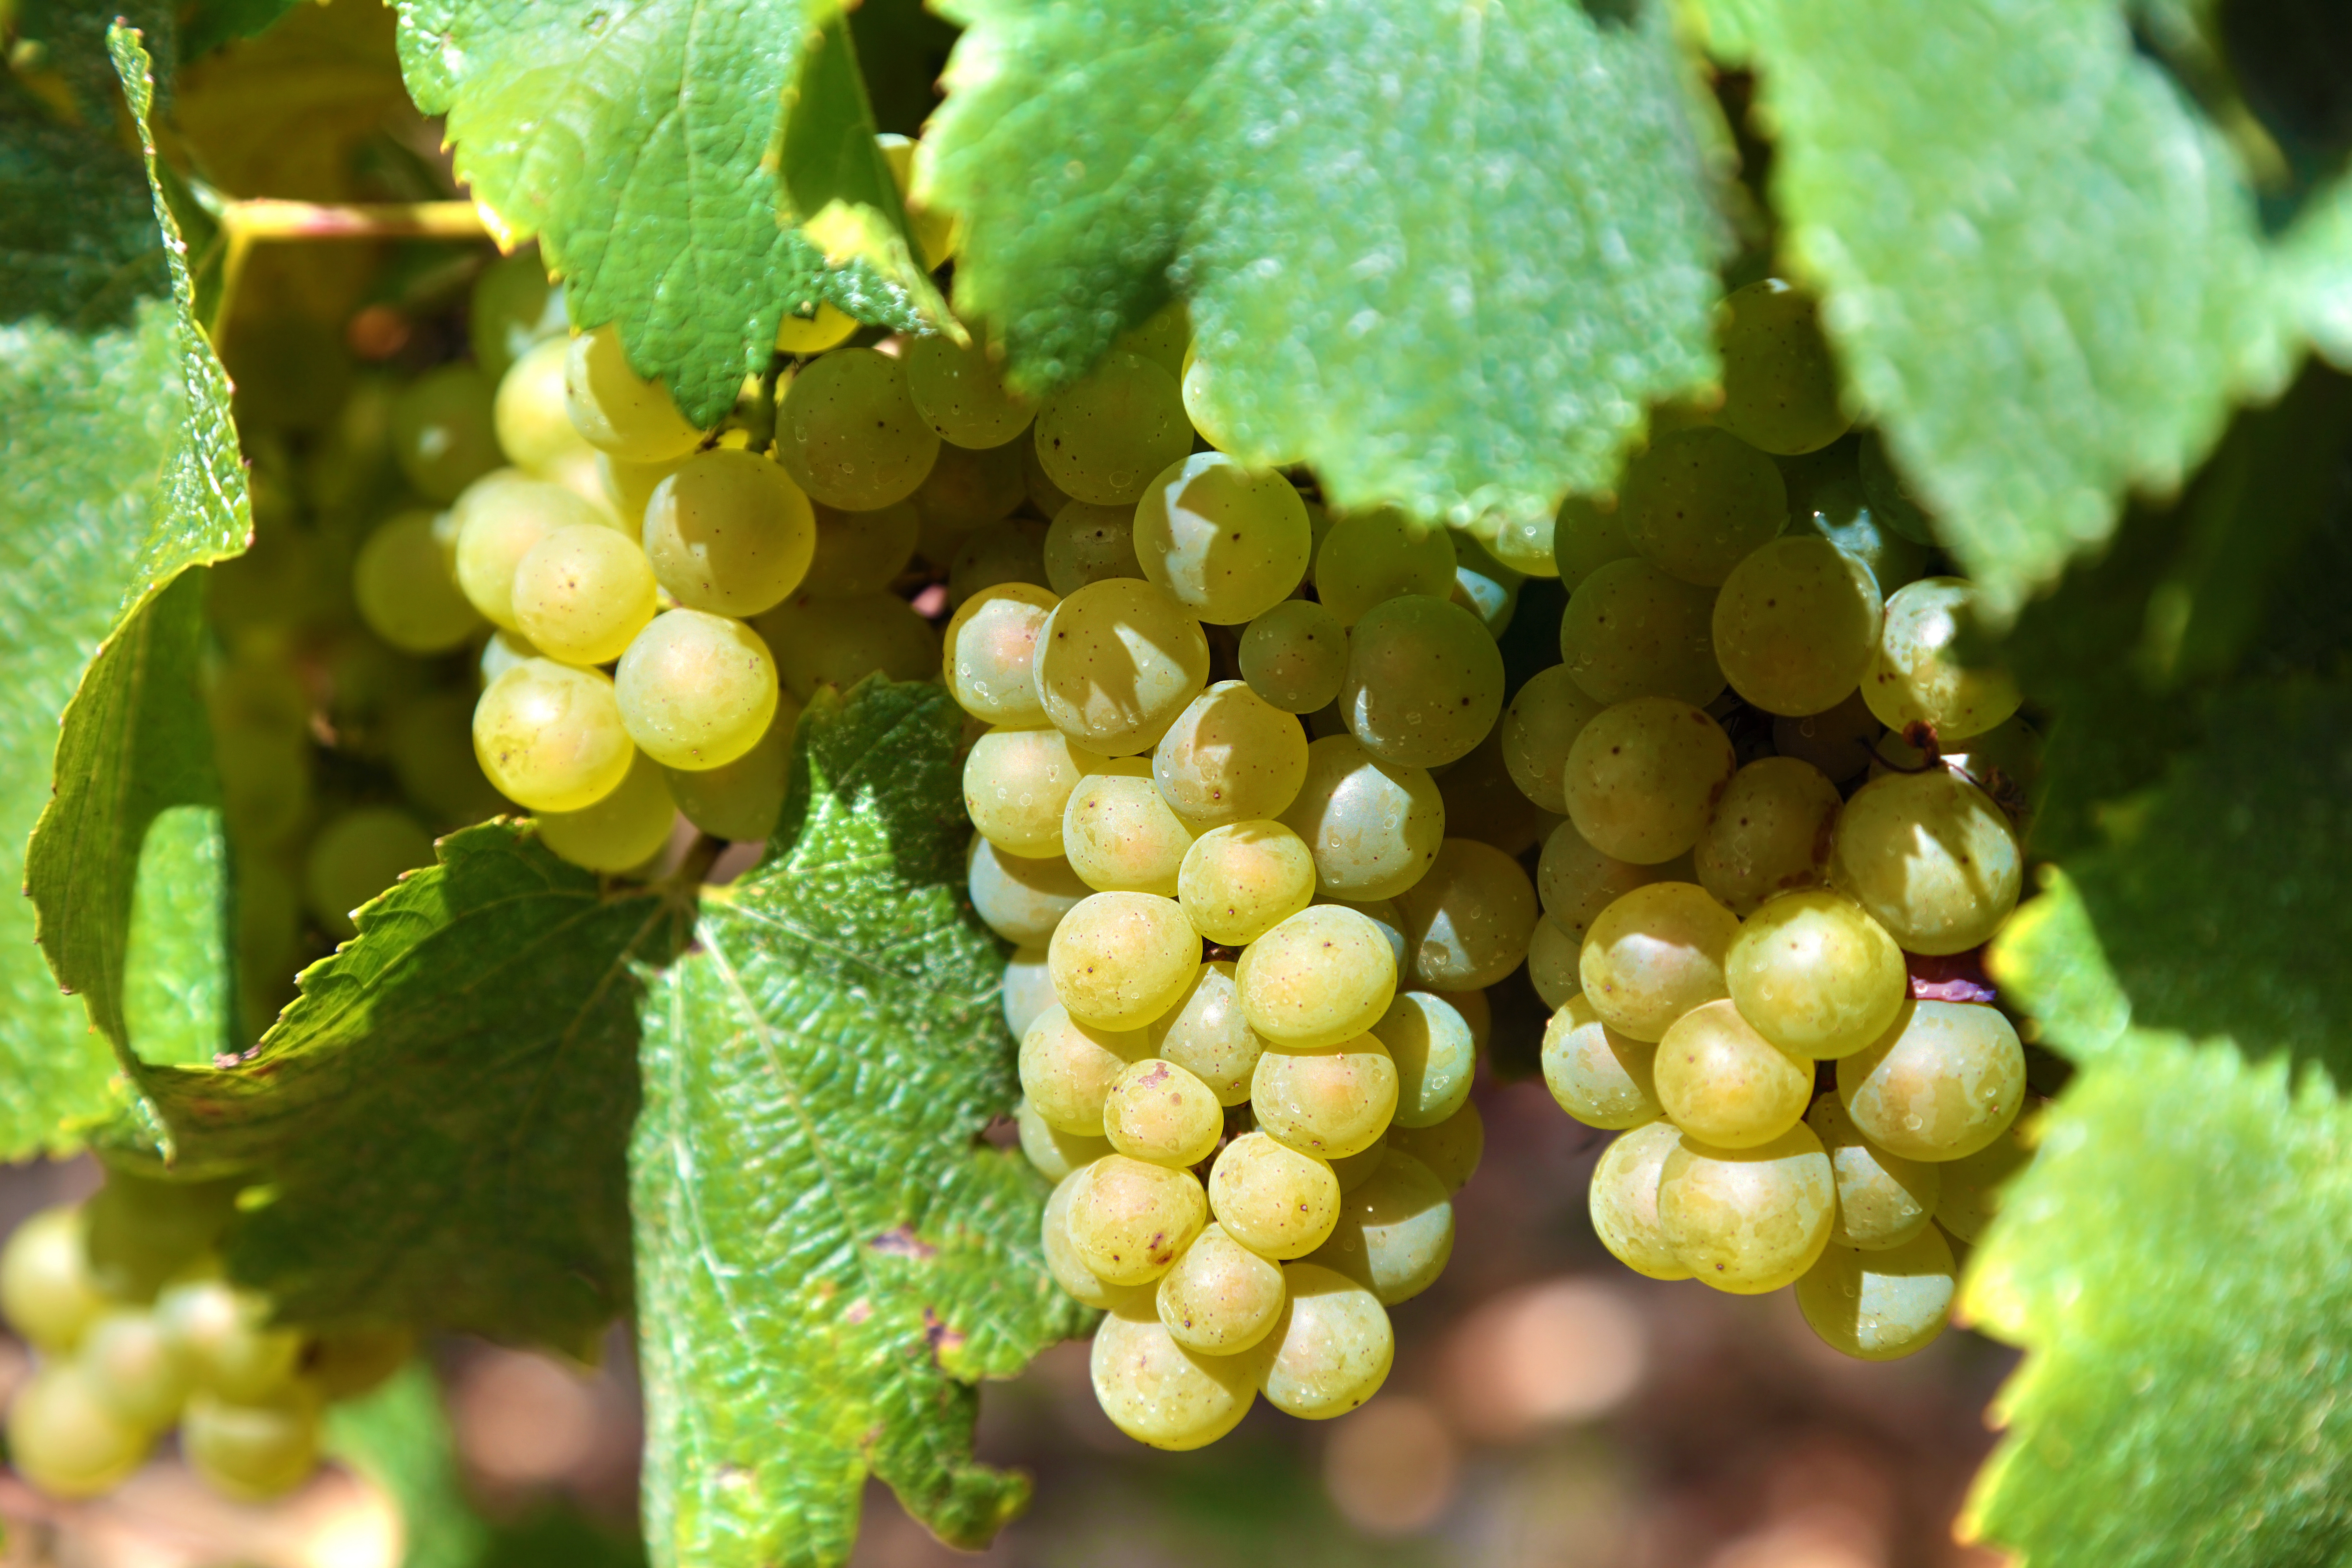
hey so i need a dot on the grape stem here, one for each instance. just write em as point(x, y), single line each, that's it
point(246, 223)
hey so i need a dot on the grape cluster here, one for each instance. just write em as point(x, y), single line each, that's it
point(136, 1332)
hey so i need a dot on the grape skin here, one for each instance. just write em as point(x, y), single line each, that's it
point(405, 586)
point(1370, 558)
point(1226, 541)
point(695, 690)
point(1062, 1259)
point(1128, 1219)
point(741, 800)
point(1013, 550)
point(527, 413)
point(1451, 1150)
point(65, 1440)
point(1241, 880)
point(727, 532)
point(1357, 1169)
point(1631, 630)
point(1624, 1201)
point(1876, 1306)
point(1087, 543)
point(1052, 1151)
point(1813, 971)
point(499, 521)
point(1160, 1393)
point(1969, 1194)
point(1017, 784)
point(357, 855)
point(1230, 756)
point(1329, 1102)
point(1599, 1076)
point(255, 1450)
point(1931, 858)
point(1538, 727)
point(1466, 923)
point(1836, 742)
point(1118, 834)
point(1884, 1199)
point(632, 418)
point(1654, 955)
point(837, 643)
point(1028, 989)
point(1103, 437)
point(1374, 827)
point(1643, 776)
point(1434, 1053)
point(1586, 537)
point(1220, 1298)
point(1157, 1112)
point(550, 737)
point(1272, 1199)
point(1332, 1348)
point(966, 491)
point(1425, 681)
point(816, 332)
point(582, 594)
point(960, 392)
point(1395, 1232)
point(444, 431)
point(1552, 959)
point(1944, 1081)
point(1914, 675)
point(132, 1372)
point(1120, 960)
point(1576, 882)
point(1020, 898)
point(620, 832)
point(1726, 1084)
point(1796, 624)
point(46, 1291)
point(1206, 1034)
point(1780, 384)
point(1749, 1220)
point(1769, 833)
point(1700, 500)
point(1324, 975)
point(847, 433)
point(855, 553)
point(1119, 661)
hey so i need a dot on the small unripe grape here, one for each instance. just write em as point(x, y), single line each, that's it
point(696, 689)
point(582, 594)
point(1224, 541)
point(1602, 1078)
point(133, 1370)
point(741, 800)
point(1207, 1034)
point(1780, 384)
point(255, 1450)
point(1538, 727)
point(499, 521)
point(616, 409)
point(813, 333)
point(1372, 557)
point(1726, 1084)
point(1230, 756)
point(1700, 500)
point(1062, 1260)
point(1163, 1393)
point(1769, 833)
point(620, 832)
point(1634, 630)
point(1122, 960)
point(1749, 1220)
point(1395, 1231)
point(1654, 955)
point(357, 856)
point(1296, 656)
point(729, 533)
point(534, 426)
point(859, 553)
point(1272, 1198)
point(1331, 1102)
point(65, 1440)
point(1884, 1199)
point(1915, 675)
point(837, 643)
point(1156, 1112)
point(1425, 681)
point(1436, 1055)
point(960, 392)
point(1103, 437)
point(1796, 624)
point(1017, 785)
point(1374, 827)
point(1931, 858)
point(1022, 900)
point(1068, 1069)
point(1944, 1081)
point(1876, 1306)
point(1129, 1219)
point(444, 431)
point(1087, 543)
point(1467, 921)
point(1624, 1200)
point(847, 432)
point(1642, 778)
point(1332, 1348)
point(1119, 662)
point(46, 1291)
point(1239, 881)
point(1324, 975)
point(1118, 834)
point(1220, 1298)
point(1813, 971)
point(406, 587)
point(1053, 1153)
point(989, 662)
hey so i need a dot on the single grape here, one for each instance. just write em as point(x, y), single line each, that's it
point(1538, 727)
point(849, 434)
point(1699, 501)
point(620, 832)
point(1642, 778)
point(582, 594)
point(252, 1451)
point(1374, 827)
point(1016, 783)
point(1466, 923)
point(512, 306)
point(1525, 545)
point(1272, 1199)
point(1425, 681)
point(1837, 742)
point(1329, 1102)
point(1436, 1055)
point(1827, 501)
point(1795, 626)
point(1241, 880)
point(695, 690)
point(1813, 971)
point(741, 800)
point(1944, 1081)
point(1226, 541)
point(1220, 1298)
point(1122, 960)
point(406, 587)
point(498, 522)
point(46, 1291)
point(1483, 586)
point(1197, 383)
point(1372, 557)
point(1451, 1150)
point(1553, 957)
point(1769, 833)
point(1062, 1259)
point(628, 487)
point(1022, 900)
point(1163, 1393)
point(1395, 1231)
point(1130, 1219)
point(1013, 550)
point(1101, 438)
point(1914, 675)
point(1931, 858)
point(1969, 1197)
point(65, 1440)
point(1877, 1306)
point(1159, 1112)
point(1296, 656)
point(729, 534)
point(131, 1371)
point(443, 431)
point(1586, 536)
point(859, 553)
point(1119, 661)
point(837, 643)
point(1357, 1169)
point(1087, 543)
point(1654, 954)
point(1324, 975)
point(358, 856)
point(1623, 1200)
point(1727, 1086)
point(1207, 1034)
point(1890, 498)
point(822, 328)
point(1053, 1153)
point(1118, 834)
point(618, 411)
point(1884, 1200)
point(959, 389)
point(1599, 1076)
point(1748, 1220)
point(1576, 882)
point(1631, 630)
point(1028, 989)
point(222, 1336)
point(967, 491)
point(1332, 1348)
point(2003, 762)
point(1230, 756)
point(1780, 384)
point(527, 413)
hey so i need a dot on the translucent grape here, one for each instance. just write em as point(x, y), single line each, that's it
point(859, 553)
point(991, 657)
point(1642, 778)
point(1914, 675)
point(1022, 900)
point(1357, 1169)
point(1466, 923)
point(960, 392)
point(1028, 989)
point(1230, 756)
point(1967, 1197)
point(46, 1291)
point(64, 1439)
point(1101, 438)
point(1525, 545)
point(511, 306)
point(1813, 971)
point(132, 1371)
point(1884, 1200)
point(1196, 382)
point(1576, 882)
point(821, 329)
point(741, 800)
point(1624, 1200)
point(696, 689)
point(1827, 501)
point(1329, 1102)
point(1013, 550)
point(1374, 827)
point(1207, 1034)
point(1129, 1219)
point(1890, 498)
point(1062, 1254)
point(1122, 960)
point(1163, 1393)
point(2002, 761)
point(222, 1336)
point(1538, 727)
point(1451, 1150)
point(1272, 1199)
point(582, 594)
point(1425, 681)
point(1220, 1298)
point(534, 429)
point(406, 588)
point(1016, 783)
point(1158, 1111)
point(1631, 630)
point(253, 1450)
point(839, 642)
point(1552, 965)
point(1599, 1076)
point(444, 431)
point(1324, 975)
point(1748, 1220)
point(1119, 661)
point(1087, 543)
point(728, 533)
point(631, 418)
point(1395, 1231)
point(1877, 1306)
point(1780, 384)
point(1436, 1055)
point(628, 486)
point(1587, 536)
point(1769, 833)
point(1226, 541)
point(1370, 557)
point(550, 736)
point(967, 491)
point(1053, 1153)
point(1944, 1081)
point(1296, 656)
point(1795, 626)
point(1726, 1084)
point(499, 522)
point(1931, 858)
point(1241, 880)
point(1118, 834)
point(1837, 742)
point(356, 857)
point(1654, 954)
point(1332, 1348)
point(1699, 501)
point(847, 432)
point(620, 832)
point(1484, 585)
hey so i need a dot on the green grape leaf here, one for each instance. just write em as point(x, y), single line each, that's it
point(439, 1119)
point(2172, 1262)
point(2038, 265)
point(827, 1253)
point(177, 960)
point(643, 146)
point(1444, 254)
point(398, 1436)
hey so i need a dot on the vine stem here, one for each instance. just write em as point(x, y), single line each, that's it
point(245, 224)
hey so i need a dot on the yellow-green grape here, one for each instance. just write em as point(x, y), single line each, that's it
point(1466, 923)
point(1130, 1219)
point(1062, 1259)
point(1796, 624)
point(1915, 677)
point(1838, 741)
point(1525, 545)
point(1021, 900)
point(1944, 1081)
point(1553, 956)
point(1654, 954)
point(1332, 1348)
point(620, 832)
point(1162, 1393)
point(1122, 960)
point(1931, 858)
point(1967, 1198)
point(1119, 660)
point(1370, 557)
point(1224, 541)
point(1067, 1067)
point(1196, 382)
point(847, 432)
point(1769, 833)
point(1016, 783)
point(1586, 536)
point(618, 411)
point(1207, 1034)
point(1241, 880)
point(1780, 384)
point(1698, 501)
point(695, 690)
point(729, 534)
point(1395, 1231)
point(2004, 758)
point(1087, 543)
point(252, 1451)
point(358, 856)
point(500, 520)
point(1053, 1153)
point(1272, 1198)
point(813, 333)
point(1642, 778)
point(961, 392)
point(1425, 681)
point(1157, 1112)
point(582, 594)
point(1623, 1200)
point(1230, 756)
point(1451, 1150)
point(1876, 1306)
point(1726, 1084)
point(1220, 1298)
point(132, 1371)
point(1576, 882)
point(46, 1291)
point(1812, 971)
point(990, 663)
point(502, 652)
point(628, 486)
point(859, 553)
point(1296, 656)
point(1538, 727)
point(1434, 1053)
point(406, 590)
point(65, 1440)
point(1884, 1199)
point(1329, 1102)
point(1476, 1011)
point(221, 1335)
point(741, 800)
point(443, 431)
point(1602, 1078)
point(512, 307)
point(1384, 916)
point(1631, 630)
point(534, 429)
point(1748, 1220)
point(1102, 438)
point(839, 642)
point(1374, 827)
point(1324, 975)
point(1484, 585)
point(1013, 550)
point(965, 490)
point(1028, 989)
point(1118, 834)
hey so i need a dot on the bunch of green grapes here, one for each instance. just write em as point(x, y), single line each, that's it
point(135, 1332)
